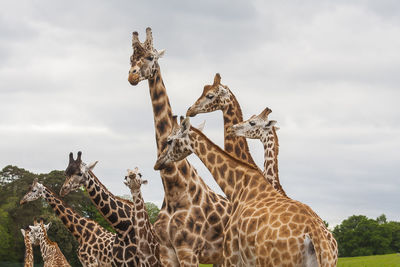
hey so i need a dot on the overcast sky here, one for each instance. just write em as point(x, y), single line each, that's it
point(329, 70)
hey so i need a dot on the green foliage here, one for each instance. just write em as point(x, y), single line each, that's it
point(361, 236)
point(153, 211)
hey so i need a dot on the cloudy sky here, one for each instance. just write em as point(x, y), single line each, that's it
point(329, 70)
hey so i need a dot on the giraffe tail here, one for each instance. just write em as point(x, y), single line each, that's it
point(310, 257)
point(316, 254)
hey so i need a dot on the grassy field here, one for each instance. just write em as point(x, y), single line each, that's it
point(391, 260)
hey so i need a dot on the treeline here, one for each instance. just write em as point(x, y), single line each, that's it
point(14, 183)
point(361, 236)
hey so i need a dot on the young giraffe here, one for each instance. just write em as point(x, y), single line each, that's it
point(259, 127)
point(119, 212)
point(26, 233)
point(147, 240)
point(95, 243)
point(51, 253)
point(219, 97)
point(265, 228)
point(192, 218)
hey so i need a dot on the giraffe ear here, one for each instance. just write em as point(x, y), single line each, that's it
point(91, 165)
point(47, 226)
point(30, 226)
point(270, 124)
point(201, 126)
point(23, 232)
point(144, 182)
point(161, 53)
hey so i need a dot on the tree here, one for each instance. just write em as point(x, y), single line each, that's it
point(153, 211)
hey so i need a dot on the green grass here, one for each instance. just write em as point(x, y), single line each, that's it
point(390, 260)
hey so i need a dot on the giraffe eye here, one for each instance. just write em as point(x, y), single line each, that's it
point(150, 58)
point(252, 123)
point(210, 96)
point(169, 142)
point(80, 174)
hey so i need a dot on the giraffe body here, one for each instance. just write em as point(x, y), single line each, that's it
point(265, 228)
point(94, 241)
point(192, 219)
point(28, 260)
point(148, 245)
point(259, 127)
point(119, 212)
point(51, 253)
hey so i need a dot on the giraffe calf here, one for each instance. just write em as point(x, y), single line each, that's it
point(51, 253)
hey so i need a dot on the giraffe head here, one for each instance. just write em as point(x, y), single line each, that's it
point(144, 60)
point(134, 180)
point(214, 97)
point(76, 174)
point(37, 232)
point(255, 127)
point(178, 145)
point(35, 191)
point(26, 233)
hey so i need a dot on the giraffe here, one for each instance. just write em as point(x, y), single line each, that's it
point(51, 253)
point(26, 233)
point(119, 213)
point(94, 241)
point(265, 228)
point(192, 217)
point(219, 97)
point(258, 127)
point(147, 240)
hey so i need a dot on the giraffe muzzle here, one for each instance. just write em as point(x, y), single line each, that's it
point(133, 79)
point(160, 164)
point(191, 112)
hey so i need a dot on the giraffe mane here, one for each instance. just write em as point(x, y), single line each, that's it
point(126, 201)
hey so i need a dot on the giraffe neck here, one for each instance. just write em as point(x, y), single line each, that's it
point(175, 177)
point(117, 211)
point(271, 150)
point(161, 109)
point(48, 248)
point(142, 219)
point(28, 252)
point(235, 145)
point(231, 175)
point(74, 222)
